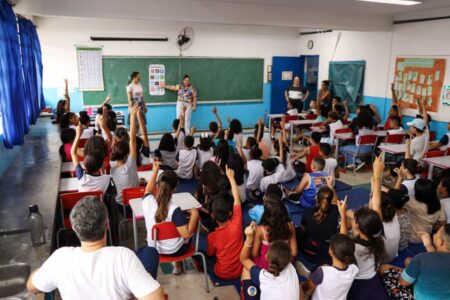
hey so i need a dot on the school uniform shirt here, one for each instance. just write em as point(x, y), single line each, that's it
point(288, 172)
point(284, 286)
point(330, 167)
point(391, 239)
point(168, 158)
point(124, 176)
point(333, 127)
point(421, 221)
point(316, 181)
point(186, 162)
point(445, 142)
point(238, 138)
point(225, 243)
point(429, 273)
point(290, 112)
point(333, 283)
point(180, 140)
point(255, 174)
point(408, 185)
point(445, 203)
point(273, 178)
point(419, 146)
point(88, 133)
point(91, 183)
point(203, 156)
point(366, 263)
point(108, 273)
point(246, 153)
point(175, 215)
point(321, 232)
point(399, 130)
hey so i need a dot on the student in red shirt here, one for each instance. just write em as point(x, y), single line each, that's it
point(311, 152)
point(226, 242)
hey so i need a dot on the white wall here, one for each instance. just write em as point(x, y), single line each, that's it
point(380, 49)
point(58, 35)
point(373, 47)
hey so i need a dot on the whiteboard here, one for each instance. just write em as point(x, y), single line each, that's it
point(90, 68)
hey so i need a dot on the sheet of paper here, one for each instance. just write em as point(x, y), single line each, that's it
point(430, 80)
point(405, 97)
point(437, 76)
point(422, 79)
point(429, 101)
point(424, 92)
point(405, 77)
point(413, 88)
point(411, 98)
point(410, 75)
point(418, 90)
point(430, 90)
point(415, 74)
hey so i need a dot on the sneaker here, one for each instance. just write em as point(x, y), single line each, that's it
point(351, 166)
point(177, 270)
point(302, 270)
point(359, 166)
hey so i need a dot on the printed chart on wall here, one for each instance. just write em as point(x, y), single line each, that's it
point(90, 68)
point(157, 79)
point(419, 78)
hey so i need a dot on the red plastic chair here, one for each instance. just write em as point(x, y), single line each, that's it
point(311, 117)
point(127, 195)
point(435, 153)
point(81, 143)
point(168, 230)
point(343, 130)
point(448, 151)
point(67, 202)
point(395, 138)
point(317, 124)
point(432, 135)
point(363, 140)
point(287, 119)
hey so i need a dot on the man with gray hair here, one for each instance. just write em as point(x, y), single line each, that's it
point(94, 270)
point(427, 275)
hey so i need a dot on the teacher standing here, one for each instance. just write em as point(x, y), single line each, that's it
point(135, 94)
point(187, 98)
point(296, 93)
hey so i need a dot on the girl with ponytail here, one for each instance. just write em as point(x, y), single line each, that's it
point(319, 224)
point(334, 282)
point(279, 281)
point(159, 208)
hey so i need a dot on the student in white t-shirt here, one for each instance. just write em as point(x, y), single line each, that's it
point(407, 176)
point(331, 165)
point(85, 120)
point(395, 125)
point(273, 172)
point(93, 178)
point(334, 282)
point(124, 172)
point(159, 208)
point(186, 159)
point(418, 146)
point(95, 270)
point(333, 123)
point(443, 191)
point(279, 281)
point(204, 151)
point(254, 167)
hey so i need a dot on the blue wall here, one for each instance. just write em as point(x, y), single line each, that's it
point(160, 117)
point(383, 105)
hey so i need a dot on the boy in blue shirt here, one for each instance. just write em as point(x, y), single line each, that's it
point(427, 275)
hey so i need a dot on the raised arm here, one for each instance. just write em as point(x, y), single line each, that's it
point(219, 122)
point(347, 113)
point(394, 95)
point(107, 99)
point(234, 186)
point(375, 202)
point(135, 109)
point(143, 129)
point(281, 147)
point(400, 177)
point(342, 206)
point(260, 129)
point(177, 133)
point(66, 93)
point(248, 245)
point(424, 111)
point(241, 153)
point(151, 184)
point(408, 148)
point(171, 87)
point(375, 111)
point(105, 129)
point(74, 149)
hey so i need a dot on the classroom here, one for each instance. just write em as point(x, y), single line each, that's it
point(225, 149)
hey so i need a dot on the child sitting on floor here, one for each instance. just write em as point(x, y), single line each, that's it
point(215, 127)
point(305, 192)
point(280, 281)
point(186, 159)
point(310, 152)
point(225, 243)
point(331, 165)
point(273, 190)
point(273, 172)
point(334, 282)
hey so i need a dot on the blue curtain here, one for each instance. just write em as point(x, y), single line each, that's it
point(347, 81)
point(12, 100)
point(32, 70)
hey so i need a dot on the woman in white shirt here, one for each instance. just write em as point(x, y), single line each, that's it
point(135, 94)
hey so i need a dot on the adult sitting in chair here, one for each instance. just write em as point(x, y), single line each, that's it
point(94, 270)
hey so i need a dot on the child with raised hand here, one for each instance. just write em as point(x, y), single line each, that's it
point(406, 176)
point(275, 225)
point(85, 120)
point(311, 152)
point(282, 151)
point(63, 105)
point(369, 251)
point(263, 141)
point(381, 202)
point(69, 120)
point(179, 132)
point(225, 243)
point(334, 282)
point(67, 137)
point(186, 159)
point(124, 173)
point(279, 281)
point(167, 150)
point(204, 152)
point(215, 127)
point(159, 208)
point(331, 165)
point(92, 177)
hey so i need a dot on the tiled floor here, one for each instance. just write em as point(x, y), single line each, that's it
point(190, 285)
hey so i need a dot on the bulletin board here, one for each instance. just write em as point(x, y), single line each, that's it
point(419, 77)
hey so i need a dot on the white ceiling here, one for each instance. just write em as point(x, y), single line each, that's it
point(304, 14)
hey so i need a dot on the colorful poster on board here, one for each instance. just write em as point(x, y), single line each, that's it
point(157, 79)
point(446, 96)
point(423, 78)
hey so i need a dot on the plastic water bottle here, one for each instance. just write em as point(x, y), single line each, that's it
point(36, 226)
point(89, 111)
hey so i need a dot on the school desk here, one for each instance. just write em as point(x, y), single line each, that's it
point(184, 200)
point(440, 162)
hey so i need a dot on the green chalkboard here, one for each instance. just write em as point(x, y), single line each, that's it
point(216, 79)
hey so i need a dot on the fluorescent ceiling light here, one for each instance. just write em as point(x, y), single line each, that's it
point(396, 2)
